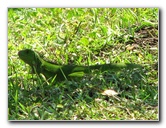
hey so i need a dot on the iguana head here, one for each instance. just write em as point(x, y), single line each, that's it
point(30, 57)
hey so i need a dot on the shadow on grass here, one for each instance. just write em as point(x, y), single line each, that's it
point(132, 85)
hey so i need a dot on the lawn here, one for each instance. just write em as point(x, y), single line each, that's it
point(84, 36)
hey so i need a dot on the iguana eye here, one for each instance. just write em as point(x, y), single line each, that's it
point(27, 51)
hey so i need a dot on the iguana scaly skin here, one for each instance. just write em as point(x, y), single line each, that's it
point(39, 65)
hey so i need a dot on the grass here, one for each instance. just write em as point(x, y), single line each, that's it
point(84, 36)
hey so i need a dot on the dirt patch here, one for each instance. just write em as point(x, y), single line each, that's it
point(146, 38)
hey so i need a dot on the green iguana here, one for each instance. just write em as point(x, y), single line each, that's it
point(39, 65)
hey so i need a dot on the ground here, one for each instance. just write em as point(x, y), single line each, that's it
point(86, 36)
